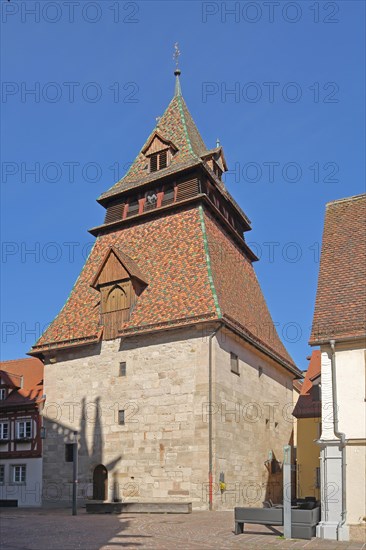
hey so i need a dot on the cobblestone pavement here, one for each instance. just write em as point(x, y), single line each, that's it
point(57, 530)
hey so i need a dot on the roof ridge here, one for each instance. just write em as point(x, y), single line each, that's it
point(347, 199)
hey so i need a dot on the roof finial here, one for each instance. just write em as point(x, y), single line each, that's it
point(177, 71)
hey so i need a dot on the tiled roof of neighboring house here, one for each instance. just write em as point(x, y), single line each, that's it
point(194, 273)
point(297, 384)
point(340, 307)
point(27, 391)
point(308, 405)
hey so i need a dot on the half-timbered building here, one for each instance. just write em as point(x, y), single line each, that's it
point(21, 401)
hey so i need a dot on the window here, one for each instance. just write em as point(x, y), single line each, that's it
point(121, 417)
point(158, 161)
point(234, 363)
point(2, 394)
point(69, 452)
point(24, 429)
point(4, 430)
point(2, 474)
point(122, 368)
point(168, 197)
point(133, 208)
point(18, 473)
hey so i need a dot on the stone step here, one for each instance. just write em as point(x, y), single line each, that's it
point(139, 507)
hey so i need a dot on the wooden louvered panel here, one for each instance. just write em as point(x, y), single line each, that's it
point(187, 189)
point(114, 213)
point(113, 321)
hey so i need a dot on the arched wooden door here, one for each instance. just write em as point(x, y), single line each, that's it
point(100, 483)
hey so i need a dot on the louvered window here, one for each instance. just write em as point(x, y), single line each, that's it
point(114, 213)
point(133, 208)
point(168, 197)
point(158, 161)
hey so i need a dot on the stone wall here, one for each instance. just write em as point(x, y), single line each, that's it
point(253, 418)
point(161, 452)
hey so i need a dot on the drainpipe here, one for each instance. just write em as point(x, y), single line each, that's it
point(210, 443)
point(338, 434)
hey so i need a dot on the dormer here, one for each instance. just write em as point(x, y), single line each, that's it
point(215, 160)
point(159, 152)
point(120, 283)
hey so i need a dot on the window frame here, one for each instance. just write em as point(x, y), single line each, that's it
point(122, 369)
point(122, 417)
point(2, 424)
point(234, 363)
point(23, 476)
point(3, 392)
point(24, 422)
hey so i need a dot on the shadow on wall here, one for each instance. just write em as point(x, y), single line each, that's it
point(94, 477)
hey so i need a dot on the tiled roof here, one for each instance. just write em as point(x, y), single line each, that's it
point(340, 307)
point(170, 252)
point(31, 369)
point(307, 405)
point(194, 273)
point(176, 125)
point(238, 291)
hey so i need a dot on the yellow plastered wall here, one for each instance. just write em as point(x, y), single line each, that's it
point(307, 457)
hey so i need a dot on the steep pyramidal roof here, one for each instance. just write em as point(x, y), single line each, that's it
point(340, 307)
point(193, 268)
point(176, 125)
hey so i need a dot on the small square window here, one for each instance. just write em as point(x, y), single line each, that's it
point(69, 452)
point(122, 368)
point(2, 474)
point(18, 473)
point(121, 417)
point(234, 363)
point(4, 430)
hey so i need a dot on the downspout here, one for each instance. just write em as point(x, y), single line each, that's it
point(338, 434)
point(210, 422)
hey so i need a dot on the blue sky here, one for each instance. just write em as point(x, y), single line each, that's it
point(292, 131)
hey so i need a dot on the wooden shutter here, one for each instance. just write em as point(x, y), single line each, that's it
point(114, 213)
point(187, 189)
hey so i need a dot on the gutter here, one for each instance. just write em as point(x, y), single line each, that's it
point(210, 423)
point(338, 434)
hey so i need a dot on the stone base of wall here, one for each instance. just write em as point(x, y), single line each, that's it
point(357, 533)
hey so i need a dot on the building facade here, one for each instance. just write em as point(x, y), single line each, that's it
point(339, 328)
point(307, 411)
point(165, 358)
point(21, 401)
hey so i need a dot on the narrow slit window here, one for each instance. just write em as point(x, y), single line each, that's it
point(121, 417)
point(234, 363)
point(122, 368)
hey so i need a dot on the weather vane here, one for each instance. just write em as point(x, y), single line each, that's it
point(176, 54)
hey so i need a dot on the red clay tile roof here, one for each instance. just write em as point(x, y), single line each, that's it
point(307, 406)
point(239, 294)
point(189, 263)
point(340, 307)
point(170, 252)
point(176, 125)
point(32, 390)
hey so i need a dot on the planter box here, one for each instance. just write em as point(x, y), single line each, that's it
point(303, 522)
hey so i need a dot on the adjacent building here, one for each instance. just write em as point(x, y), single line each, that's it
point(307, 411)
point(165, 358)
point(339, 328)
point(21, 402)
